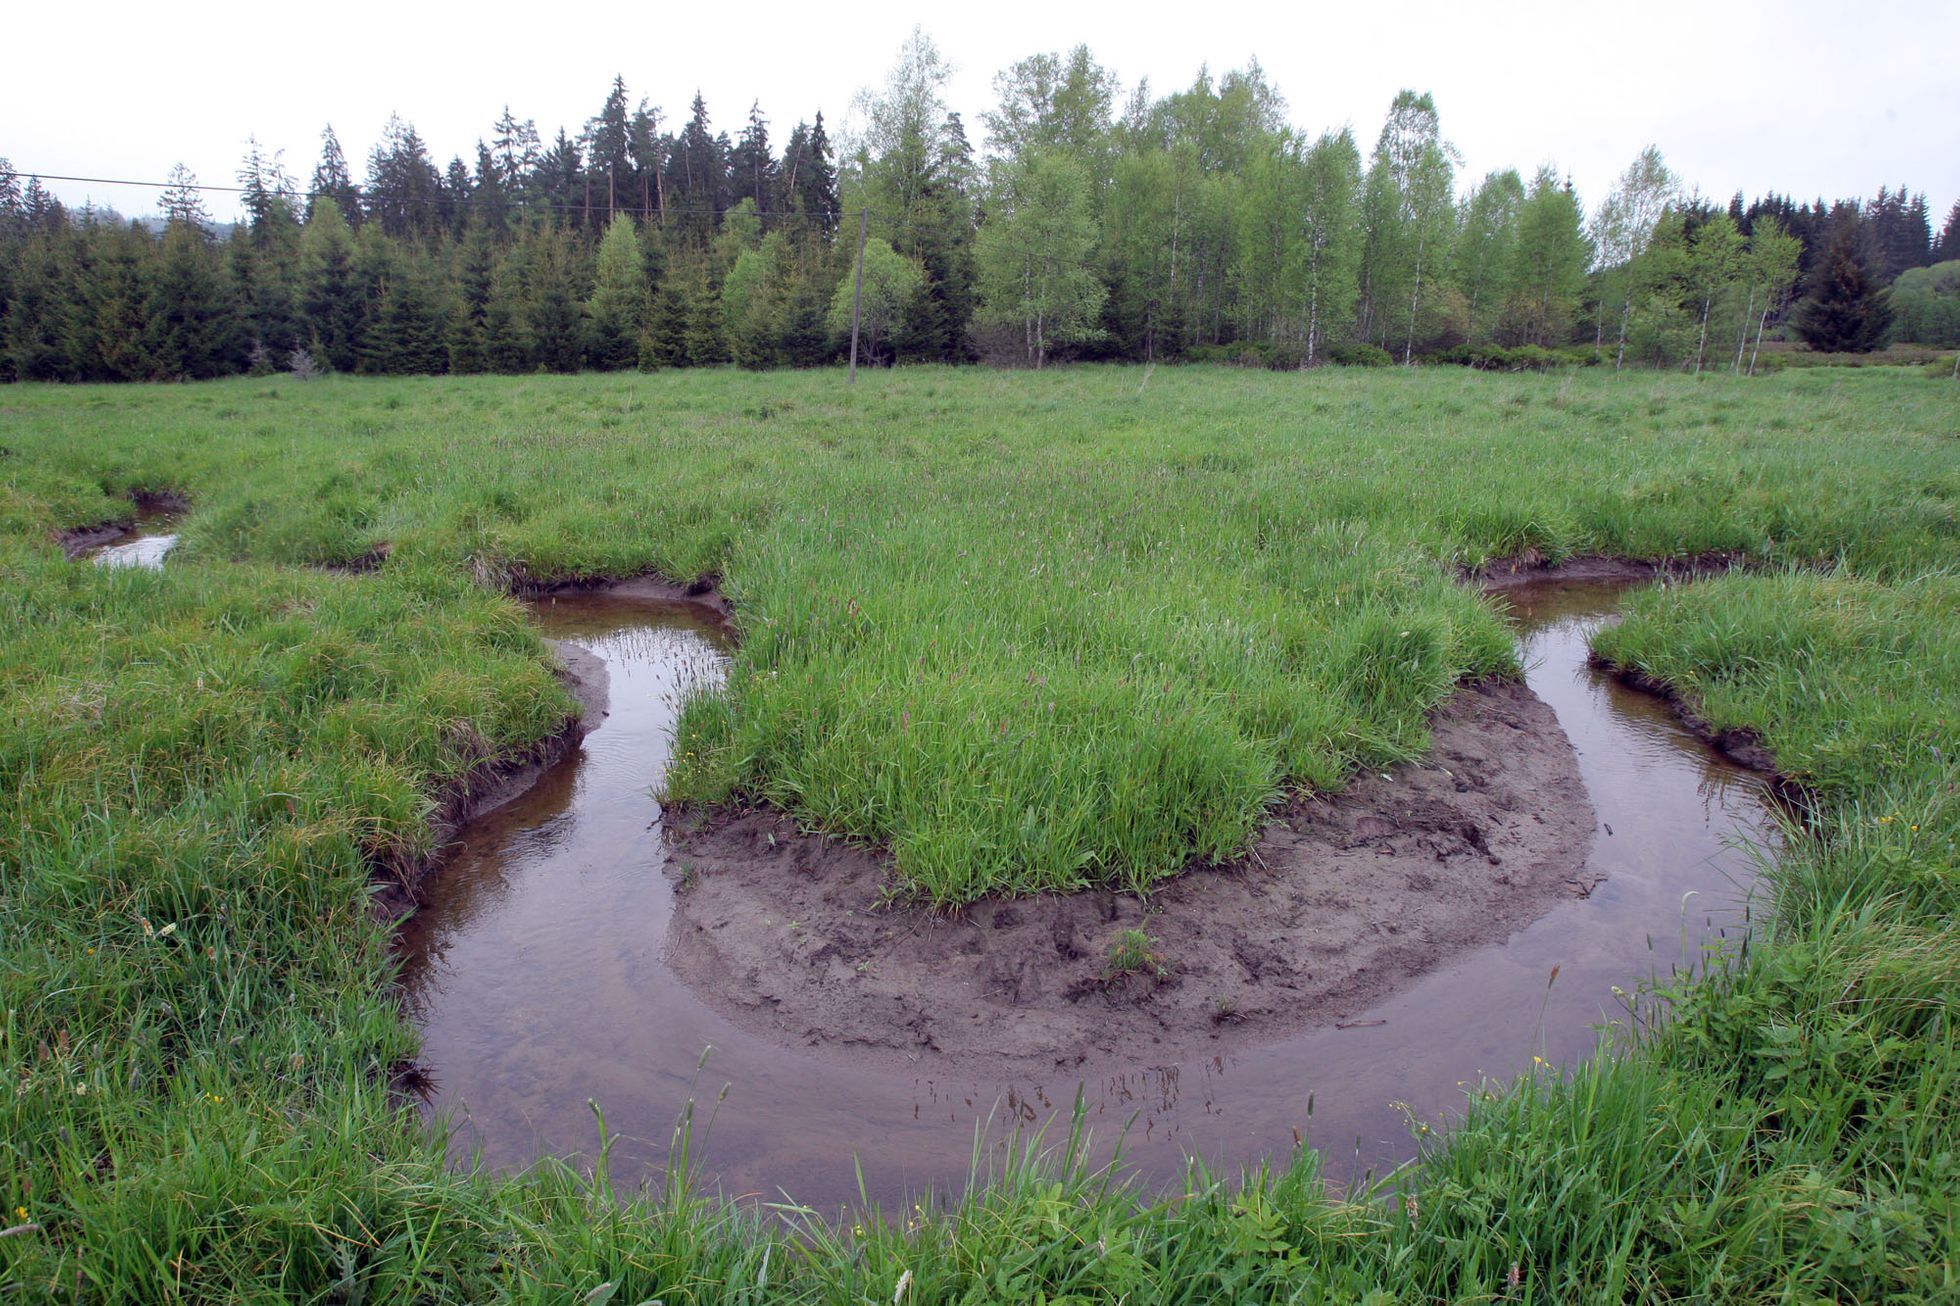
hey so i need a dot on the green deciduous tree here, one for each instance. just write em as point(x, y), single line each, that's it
point(1769, 270)
point(891, 286)
point(1715, 254)
point(1480, 259)
point(1621, 232)
point(1926, 305)
point(1034, 253)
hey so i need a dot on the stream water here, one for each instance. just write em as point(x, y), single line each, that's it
point(145, 545)
point(536, 974)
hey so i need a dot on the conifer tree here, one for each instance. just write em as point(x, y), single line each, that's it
point(609, 155)
point(409, 333)
point(506, 332)
point(809, 178)
point(182, 203)
point(403, 186)
point(1846, 312)
point(752, 172)
point(31, 345)
point(333, 180)
point(553, 306)
point(696, 178)
point(1945, 249)
point(663, 340)
point(331, 304)
point(116, 304)
point(187, 316)
point(615, 313)
point(707, 343)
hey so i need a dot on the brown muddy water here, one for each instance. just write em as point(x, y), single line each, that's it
point(536, 968)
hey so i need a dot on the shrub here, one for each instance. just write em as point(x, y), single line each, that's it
point(1518, 358)
point(1360, 356)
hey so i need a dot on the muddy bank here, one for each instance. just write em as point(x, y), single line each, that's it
point(1739, 744)
point(397, 883)
point(1533, 568)
point(1345, 899)
point(144, 503)
point(702, 591)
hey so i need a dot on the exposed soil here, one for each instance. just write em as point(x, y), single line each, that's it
point(1532, 568)
point(703, 591)
point(80, 539)
point(1346, 898)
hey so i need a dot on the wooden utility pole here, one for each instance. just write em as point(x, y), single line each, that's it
point(857, 293)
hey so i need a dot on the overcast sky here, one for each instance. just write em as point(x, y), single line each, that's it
point(1806, 98)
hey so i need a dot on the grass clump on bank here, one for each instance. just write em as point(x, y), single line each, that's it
point(1224, 582)
point(1037, 632)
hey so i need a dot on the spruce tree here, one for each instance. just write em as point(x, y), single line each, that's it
point(187, 315)
point(752, 168)
point(553, 307)
point(614, 313)
point(609, 157)
point(664, 340)
point(330, 303)
point(696, 178)
point(408, 333)
point(707, 344)
point(332, 180)
point(506, 332)
point(1947, 247)
point(116, 304)
point(475, 282)
point(816, 182)
point(1847, 312)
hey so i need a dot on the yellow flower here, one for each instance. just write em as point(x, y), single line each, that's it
point(20, 1212)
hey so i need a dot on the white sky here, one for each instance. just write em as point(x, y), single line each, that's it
point(1809, 97)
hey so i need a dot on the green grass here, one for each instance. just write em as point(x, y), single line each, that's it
point(1033, 633)
point(1030, 632)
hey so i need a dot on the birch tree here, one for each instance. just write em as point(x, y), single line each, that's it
point(1329, 251)
point(1034, 255)
point(1624, 228)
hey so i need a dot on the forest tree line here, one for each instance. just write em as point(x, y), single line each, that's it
point(1095, 225)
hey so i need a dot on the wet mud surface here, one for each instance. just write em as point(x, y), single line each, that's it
point(1343, 901)
point(552, 963)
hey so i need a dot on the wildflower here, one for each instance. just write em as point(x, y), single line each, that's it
point(20, 1212)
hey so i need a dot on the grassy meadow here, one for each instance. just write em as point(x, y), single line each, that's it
point(1031, 632)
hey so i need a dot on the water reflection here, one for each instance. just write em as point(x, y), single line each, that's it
point(536, 971)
